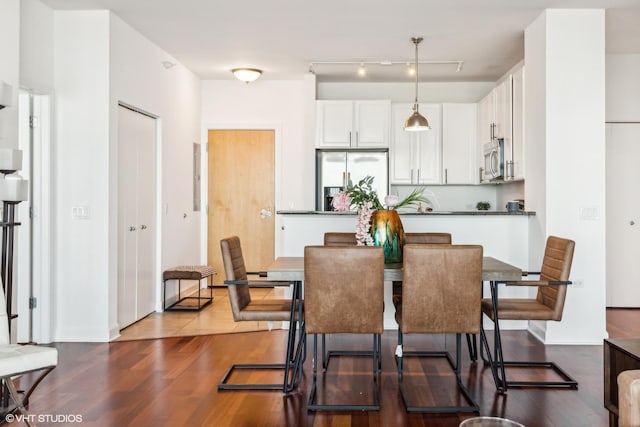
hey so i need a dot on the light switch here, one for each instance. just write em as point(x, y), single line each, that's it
point(80, 212)
point(589, 213)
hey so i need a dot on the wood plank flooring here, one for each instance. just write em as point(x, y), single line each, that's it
point(216, 318)
point(172, 382)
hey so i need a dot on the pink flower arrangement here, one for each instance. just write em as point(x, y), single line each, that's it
point(363, 226)
point(341, 202)
point(365, 200)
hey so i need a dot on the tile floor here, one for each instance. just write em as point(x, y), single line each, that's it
point(216, 318)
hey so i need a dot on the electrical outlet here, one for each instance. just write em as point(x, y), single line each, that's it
point(578, 283)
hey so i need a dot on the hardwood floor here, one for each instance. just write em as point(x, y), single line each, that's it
point(172, 382)
point(215, 318)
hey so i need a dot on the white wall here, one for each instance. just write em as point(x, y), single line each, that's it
point(81, 176)
point(139, 79)
point(623, 88)
point(286, 106)
point(36, 46)
point(9, 69)
point(100, 61)
point(434, 92)
point(568, 170)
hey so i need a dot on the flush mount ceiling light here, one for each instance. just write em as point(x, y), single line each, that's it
point(247, 75)
point(416, 122)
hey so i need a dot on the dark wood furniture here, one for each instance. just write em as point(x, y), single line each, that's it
point(619, 355)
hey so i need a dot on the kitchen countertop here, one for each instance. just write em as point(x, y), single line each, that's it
point(433, 213)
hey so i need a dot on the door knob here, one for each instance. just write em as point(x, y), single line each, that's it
point(632, 222)
point(265, 213)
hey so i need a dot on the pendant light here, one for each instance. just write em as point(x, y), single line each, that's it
point(416, 122)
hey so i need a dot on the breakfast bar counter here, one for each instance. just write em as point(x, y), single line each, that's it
point(503, 235)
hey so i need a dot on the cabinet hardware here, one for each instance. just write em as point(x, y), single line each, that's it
point(132, 228)
point(632, 223)
point(143, 227)
point(446, 178)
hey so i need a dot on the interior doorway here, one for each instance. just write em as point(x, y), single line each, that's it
point(623, 214)
point(32, 279)
point(241, 195)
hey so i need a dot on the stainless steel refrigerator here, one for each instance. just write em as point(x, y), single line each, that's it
point(336, 169)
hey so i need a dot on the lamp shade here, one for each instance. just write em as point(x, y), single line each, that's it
point(6, 93)
point(10, 160)
point(416, 122)
point(247, 75)
point(13, 188)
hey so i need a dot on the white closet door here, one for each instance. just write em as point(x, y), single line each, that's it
point(623, 214)
point(146, 208)
point(136, 201)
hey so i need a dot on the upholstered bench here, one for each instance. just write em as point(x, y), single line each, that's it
point(188, 272)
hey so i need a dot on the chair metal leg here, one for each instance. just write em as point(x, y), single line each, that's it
point(498, 365)
point(472, 404)
point(472, 343)
point(375, 353)
point(292, 367)
point(19, 402)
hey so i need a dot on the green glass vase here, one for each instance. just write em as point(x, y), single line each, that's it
point(387, 232)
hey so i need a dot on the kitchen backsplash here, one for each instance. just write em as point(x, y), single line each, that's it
point(465, 197)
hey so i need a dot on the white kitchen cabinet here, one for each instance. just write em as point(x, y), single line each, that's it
point(416, 157)
point(516, 168)
point(496, 121)
point(494, 113)
point(459, 155)
point(502, 111)
point(353, 124)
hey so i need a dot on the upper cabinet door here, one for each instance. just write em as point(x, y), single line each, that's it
point(401, 152)
point(502, 119)
point(416, 156)
point(459, 158)
point(372, 119)
point(429, 146)
point(517, 143)
point(334, 124)
point(353, 124)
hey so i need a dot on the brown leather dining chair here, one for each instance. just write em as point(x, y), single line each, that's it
point(244, 308)
point(421, 239)
point(344, 294)
point(442, 290)
point(334, 238)
point(548, 305)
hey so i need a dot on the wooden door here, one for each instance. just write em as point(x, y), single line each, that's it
point(241, 195)
point(623, 214)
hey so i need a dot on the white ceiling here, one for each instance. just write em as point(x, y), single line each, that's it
point(283, 37)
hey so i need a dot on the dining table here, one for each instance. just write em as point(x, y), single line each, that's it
point(494, 271)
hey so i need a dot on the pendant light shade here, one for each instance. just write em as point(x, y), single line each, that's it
point(416, 122)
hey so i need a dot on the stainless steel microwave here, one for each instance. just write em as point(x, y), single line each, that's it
point(493, 167)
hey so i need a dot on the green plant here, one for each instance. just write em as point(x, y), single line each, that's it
point(362, 192)
point(483, 206)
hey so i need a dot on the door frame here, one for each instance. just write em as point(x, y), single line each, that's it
point(33, 245)
point(204, 167)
